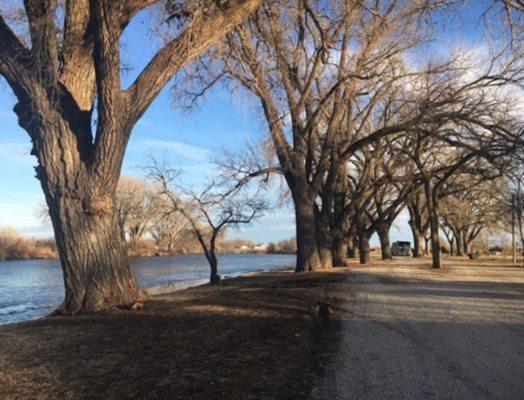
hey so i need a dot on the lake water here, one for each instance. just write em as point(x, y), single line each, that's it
point(33, 288)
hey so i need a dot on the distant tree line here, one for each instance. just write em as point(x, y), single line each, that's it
point(14, 246)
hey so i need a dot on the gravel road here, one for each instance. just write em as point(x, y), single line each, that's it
point(414, 333)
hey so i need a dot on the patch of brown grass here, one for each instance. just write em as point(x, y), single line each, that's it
point(254, 337)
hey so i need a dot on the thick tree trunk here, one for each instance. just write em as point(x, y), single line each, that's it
point(435, 244)
point(340, 252)
point(351, 253)
point(326, 256)
point(417, 244)
point(324, 239)
point(385, 245)
point(93, 256)
point(308, 258)
point(458, 243)
point(363, 248)
point(80, 194)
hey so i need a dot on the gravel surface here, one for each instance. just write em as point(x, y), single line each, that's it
point(415, 333)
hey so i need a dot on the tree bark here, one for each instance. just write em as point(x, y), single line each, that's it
point(324, 239)
point(351, 253)
point(385, 244)
point(465, 244)
point(81, 202)
point(432, 205)
point(56, 83)
point(427, 242)
point(340, 252)
point(417, 244)
point(363, 248)
point(308, 258)
point(93, 256)
point(458, 243)
point(214, 278)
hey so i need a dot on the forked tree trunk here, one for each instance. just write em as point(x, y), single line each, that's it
point(80, 196)
point(56, 83)
point(385, 245)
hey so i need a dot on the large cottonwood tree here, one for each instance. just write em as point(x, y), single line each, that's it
point(66, 73)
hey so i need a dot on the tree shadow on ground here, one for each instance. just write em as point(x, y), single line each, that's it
point(251, 338)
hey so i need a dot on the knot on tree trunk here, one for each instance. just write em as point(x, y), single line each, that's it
point(98, 206)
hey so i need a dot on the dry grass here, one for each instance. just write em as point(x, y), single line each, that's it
point(14, 246)
point(252, 338)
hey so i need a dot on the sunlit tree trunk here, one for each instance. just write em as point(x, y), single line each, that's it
point(432, 204)
point(385, 244)
point(308, 258)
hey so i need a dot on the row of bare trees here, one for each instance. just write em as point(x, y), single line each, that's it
point(358, 131)
point(355, 127)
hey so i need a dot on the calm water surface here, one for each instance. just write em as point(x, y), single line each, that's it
point(33, 288)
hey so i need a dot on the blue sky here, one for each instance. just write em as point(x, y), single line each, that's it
point(189, 140)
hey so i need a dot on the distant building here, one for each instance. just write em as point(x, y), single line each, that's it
point(245, 249)
point(401, 249)
point(261, 247)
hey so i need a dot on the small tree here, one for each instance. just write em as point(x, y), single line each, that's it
point(208, 212)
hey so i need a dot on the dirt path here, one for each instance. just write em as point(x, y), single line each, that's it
point(413, 333)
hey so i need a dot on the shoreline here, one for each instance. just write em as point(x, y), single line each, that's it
point(154, 256)
point(178, 286)
point(159, 290)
